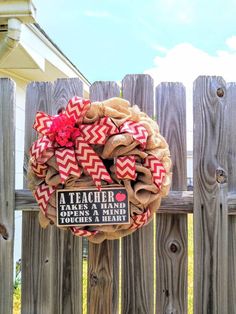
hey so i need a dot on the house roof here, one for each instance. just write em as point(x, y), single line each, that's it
point(56, 46)
point(38, 58)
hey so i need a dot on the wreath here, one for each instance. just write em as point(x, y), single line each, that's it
point(96, 145)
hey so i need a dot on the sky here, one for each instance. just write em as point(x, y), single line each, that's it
point(171, 39)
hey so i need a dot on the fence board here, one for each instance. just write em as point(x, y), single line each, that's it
point(139, 90)
point(210, 209)
point(66, 249)
point(36, 266)
point(100, 91)
point(103, 262)
point(7, 187)
point(137, 249)
point(231, 114)
point(171, 230)
point(178, 202)
point(51, 258)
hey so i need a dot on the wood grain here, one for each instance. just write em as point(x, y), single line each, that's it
point(137, 290)
point(7, 187)
point(64, 90)
point(231, 118)
point(103, 262)
point(178, 202)
point(35, 247)
point(210, 209)
point(51, 258)
point(100, 90)
point(66, 249)
point(171, 230)
point(138, 89)
point(100, 278)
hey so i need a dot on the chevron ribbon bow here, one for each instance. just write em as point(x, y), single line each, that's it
point(42, 196)
point(140, 220)
point(125, 167)
point(65, 137)
point(137, 130)
point(157, 169)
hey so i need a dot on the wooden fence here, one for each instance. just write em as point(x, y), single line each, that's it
point(145, 272)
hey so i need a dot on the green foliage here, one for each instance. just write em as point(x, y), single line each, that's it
point(154, 117)
point(17, 300)
point(190, 264)
point(17, 289)
point(85, 280)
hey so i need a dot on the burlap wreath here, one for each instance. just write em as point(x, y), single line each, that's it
point(130, 135)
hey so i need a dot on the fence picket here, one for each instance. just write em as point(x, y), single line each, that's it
point(231, 114)
point(103, 262)
point(36, 266)
point(47, 285)
point(171, 229)
point(100, 91)
point(210, 196)
point(137, 249)
point(7, 188)
point(66, 249)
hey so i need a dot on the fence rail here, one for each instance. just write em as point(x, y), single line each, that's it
point(123, 274)
point(177, 202)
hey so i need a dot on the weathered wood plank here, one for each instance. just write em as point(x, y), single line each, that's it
point(210, 192)
point(137, 249)
point(36, 265)
point(7, 187)
point(139, 90)
point(66, 249)
point(100, 278)
point(64, 90)
point(231, 115)
point(175, 202)
point(100, 91)
point(171, 230)
point(103, 262)
point(52, 259)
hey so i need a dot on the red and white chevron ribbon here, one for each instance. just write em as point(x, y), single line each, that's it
point(82, 233)
point(111, 127)
point(94, 134)
point(46, 155)
point(91, 162)
point(39, 170)
point(67, 164)
point(42, 196)
point(137, 130)
point(140, 220)
point(69, 140)
point(42, 122)
point(39, 147)
point(77, 107)
point(157, 169)
point(125, 167)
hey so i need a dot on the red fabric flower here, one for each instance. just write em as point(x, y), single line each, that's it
point(63, 131)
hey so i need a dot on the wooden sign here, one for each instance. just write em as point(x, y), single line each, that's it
point(92, 207)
